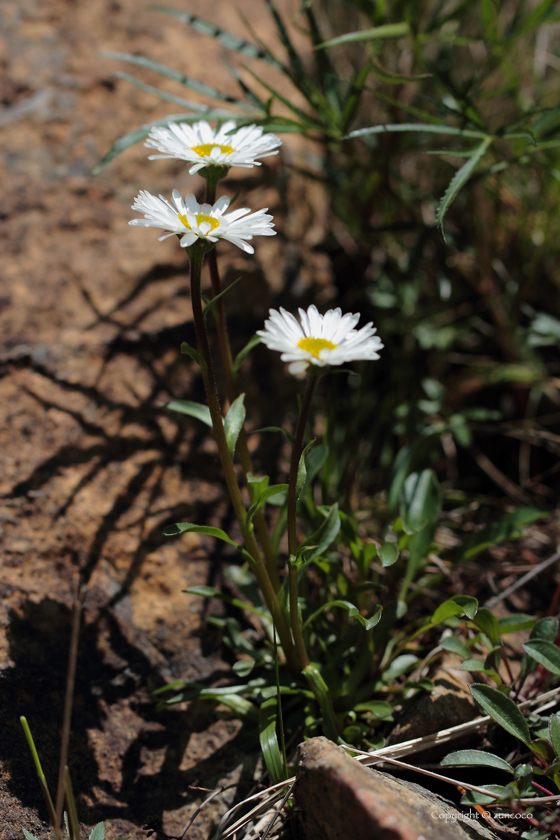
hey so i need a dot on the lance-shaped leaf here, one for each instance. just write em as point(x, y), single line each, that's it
point(460, 179)
point(323, 536)
point(428, 128)
point(554, 732)
point(242, 355)
point(264, 497)
point(545, 653)
point(323, 695)
point(175, 75)
point(302, 469)
point(161, 94)
point(477, 758)
point(503, 710)
point(388, 553)
point(98, 832)
point(211, 304)
point(233, 422)
point(387, 30)
point(420, 501)
point(187, 350)
point(226, 39)
point(353, 612)
point(193, 409)
point(268, 715)
point(190, 528)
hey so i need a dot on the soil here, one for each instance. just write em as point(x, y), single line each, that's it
point(92, 468)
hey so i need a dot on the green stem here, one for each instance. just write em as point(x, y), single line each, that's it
point(292, 527)
point(196, 255)
point(232, 391)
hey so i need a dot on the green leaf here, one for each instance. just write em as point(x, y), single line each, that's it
point(268, 714)
point(302, 470)
point(545, 653)
point(399, 666)
point(508, 527)
point(201, 110)
point(469, 604)
point(473, 797)
point(353, 612)
point(546, 628)
point(323, 536)
point(515, 623)
point(264, 497)
point(169, 73)
point(387, 30)
point(458, 605)
point(488, 623)
point(322, 693)
point(28, 835)
point(226, 39)
point(388, 553)
point(187, 350)
point(242, 355)
point(288, 435)
point(188, 528)
point(420, 501)
point(554, 732)
point(478, 758)
point(211, 304)
point(378, 709)
point(212, 592)
point(460, 179)
point(242, 707)
point(454, 645)
point(397, 78)
point(503, 710)
point(428, 128)
point(193, 409)
point(98, 832)
point(233, 423)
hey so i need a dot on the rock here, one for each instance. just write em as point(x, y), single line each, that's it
point(449, 704)
point(338, 797)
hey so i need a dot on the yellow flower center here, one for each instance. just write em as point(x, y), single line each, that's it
point(205, 148)
point(200, 218)
point(315, 345)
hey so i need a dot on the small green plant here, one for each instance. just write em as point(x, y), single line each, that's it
point(533, 764)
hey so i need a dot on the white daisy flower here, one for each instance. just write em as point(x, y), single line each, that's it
point(200, 145)
point(191, 220)
point(319, 340)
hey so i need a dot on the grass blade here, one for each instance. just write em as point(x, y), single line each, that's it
point(421, 127)
point(460, 179)
point(175, 75)
point(72, 809)
point(387, 30)
point(38, 768)
point(226, 39)
point(161, 94)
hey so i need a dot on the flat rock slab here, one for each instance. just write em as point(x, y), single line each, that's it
point(340, 798)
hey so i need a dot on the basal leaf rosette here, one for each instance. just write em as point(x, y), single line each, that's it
point(203, 146)
point(208, 223)
point(319, 340)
